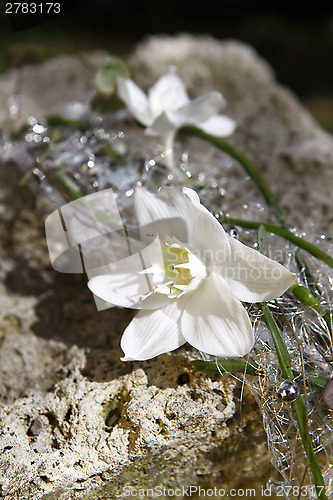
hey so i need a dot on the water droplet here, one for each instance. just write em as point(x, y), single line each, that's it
point(29, 137)
point(8, 147)
point(31, 121)
point(38, 129)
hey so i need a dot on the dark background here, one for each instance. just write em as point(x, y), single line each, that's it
point(295, 38)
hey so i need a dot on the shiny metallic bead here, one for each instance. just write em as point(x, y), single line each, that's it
point(288, 391)
point(232, 231)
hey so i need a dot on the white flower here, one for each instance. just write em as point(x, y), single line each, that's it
point(191, 283)
point(168, 108)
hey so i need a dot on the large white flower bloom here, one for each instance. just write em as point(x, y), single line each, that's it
point(188, 281)
point(168, 108)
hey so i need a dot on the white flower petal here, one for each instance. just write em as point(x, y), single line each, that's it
point(123, 284)
point(152, 333)
point(135, 99)
point(192, 196)
point(203, 107)
point(203, 230)
point(251, 276)
point(167, 203)
point(167, 121)
point(167, 93)
point(215, 322)
point(218, 125)
point(164, 227)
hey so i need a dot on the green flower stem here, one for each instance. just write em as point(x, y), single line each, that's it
point(70, 186)
point(250, 169)
point(227, 365)
point(280, 346)
point(285, 233)
point(287, 372)
point(25, 178)
point(305, 296)
point(58, 120)
point(240, 366)
point(304, 268)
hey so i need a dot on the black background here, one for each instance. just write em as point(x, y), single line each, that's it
point(297, 39)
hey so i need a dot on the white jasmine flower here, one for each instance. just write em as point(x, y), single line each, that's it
point(194, 279)
point(168, 108)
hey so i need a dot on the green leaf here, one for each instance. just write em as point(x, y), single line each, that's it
point(228, 365)
point(262, 240)
point(280, 346)
point(103, 104)
point(300, 410)
point(57, 120)
point(106, 76)
point(284, 233)
point(111, 152)
point(70, 186)
point(305, 296)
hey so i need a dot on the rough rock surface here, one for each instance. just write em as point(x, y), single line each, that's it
point(274, 130)
point(44, 90)
point(75, 422)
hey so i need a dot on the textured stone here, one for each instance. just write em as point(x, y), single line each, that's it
point(46, 89)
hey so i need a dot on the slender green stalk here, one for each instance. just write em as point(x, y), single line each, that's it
point(305, 296)
point(227, 365)
point(287, 372)
point(285, 233)
point(70, 186)
point(250, 169)
point(239, 366)
point(280, 346)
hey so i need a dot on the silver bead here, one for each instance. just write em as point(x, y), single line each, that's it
point(288, 391)
point(232, 231)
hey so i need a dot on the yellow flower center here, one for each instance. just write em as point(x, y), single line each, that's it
point(181, 271)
